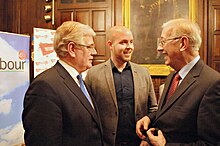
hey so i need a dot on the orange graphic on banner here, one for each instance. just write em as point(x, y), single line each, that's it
point(46, 48)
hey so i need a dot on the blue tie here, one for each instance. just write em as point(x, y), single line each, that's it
point(83, 88)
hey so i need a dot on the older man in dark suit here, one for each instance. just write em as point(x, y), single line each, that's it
point(56, 110)
point(190, 115)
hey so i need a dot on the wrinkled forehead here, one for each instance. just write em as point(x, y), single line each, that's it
point(166, 32)
point(87, 39)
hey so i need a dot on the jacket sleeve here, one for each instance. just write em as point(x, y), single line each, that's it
point(42, 117)
point(152, 100)
point(208, 120)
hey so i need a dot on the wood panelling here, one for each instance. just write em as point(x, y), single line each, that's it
point(66, 15)
point(83, 16)
point(216, 51)
point(202, 21)
point(158, 81)
point(32, 15)
point(97, 15)
point(74, 4)
point(2, 15)
point(214, 34)
point(118, 12)
point(100, 41)
point(217, 20)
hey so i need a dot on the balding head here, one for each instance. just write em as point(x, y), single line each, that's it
point(116, 31)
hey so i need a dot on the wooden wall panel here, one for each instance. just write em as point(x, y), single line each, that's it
point(158, 81)
point(32, 15)
point(98, 15)
point(83, 16)
point(66, 15)
point(216, 51)
point(216, 42)
point(217, 20)
point(216, 64)
point(99, 20)
point(2, 15)
point(100, 45)
point(214, 34)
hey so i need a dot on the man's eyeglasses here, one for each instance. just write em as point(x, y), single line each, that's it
point(90, 48)
point(163, 42)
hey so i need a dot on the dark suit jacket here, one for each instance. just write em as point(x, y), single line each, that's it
point(56, 113)
point(192, 116)
point(100, 82)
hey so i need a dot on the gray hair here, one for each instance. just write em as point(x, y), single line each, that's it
point(180, 27)
point(70, 31)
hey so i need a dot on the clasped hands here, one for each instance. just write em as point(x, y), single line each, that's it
point(148, 137)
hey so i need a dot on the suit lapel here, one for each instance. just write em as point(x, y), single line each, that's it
point(110, 81)
point(136, 86)
point(184, 85)
point(75, 89)
point(165, 90)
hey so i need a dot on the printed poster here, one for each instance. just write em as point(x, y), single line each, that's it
point(44, 54)
point(14, 72)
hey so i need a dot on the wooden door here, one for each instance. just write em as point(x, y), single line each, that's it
point(95, 13)
point(214, 34)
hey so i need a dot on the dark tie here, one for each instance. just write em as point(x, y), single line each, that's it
point(83, 88)
point(174, 85)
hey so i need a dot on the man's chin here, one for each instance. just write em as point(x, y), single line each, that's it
point(89, 65)
point(127, 59)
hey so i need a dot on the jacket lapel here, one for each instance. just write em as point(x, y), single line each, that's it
point(136, 86)
point(110, 81)
point(184, 85)
point(165, 90)
point(75, 89)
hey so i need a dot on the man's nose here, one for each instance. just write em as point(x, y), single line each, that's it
point(130, 45)
point(159, 48)
point(93, 51)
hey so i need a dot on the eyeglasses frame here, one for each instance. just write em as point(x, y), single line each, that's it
point(90, 48)
point(162, 43)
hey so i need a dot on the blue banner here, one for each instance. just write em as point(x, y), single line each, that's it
point(14, 73)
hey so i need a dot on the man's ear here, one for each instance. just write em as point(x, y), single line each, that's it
point(184, 43)
point(71, 49)
point(109, 43)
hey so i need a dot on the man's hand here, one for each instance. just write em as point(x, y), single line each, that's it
point(144, 143)
point(156, 140)
point(142, 125)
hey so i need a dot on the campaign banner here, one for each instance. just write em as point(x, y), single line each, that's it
point(44, 54)
point(15, 79)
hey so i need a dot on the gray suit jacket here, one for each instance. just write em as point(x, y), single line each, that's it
point(101, 83)
point(56, 112)
point(192, 115)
